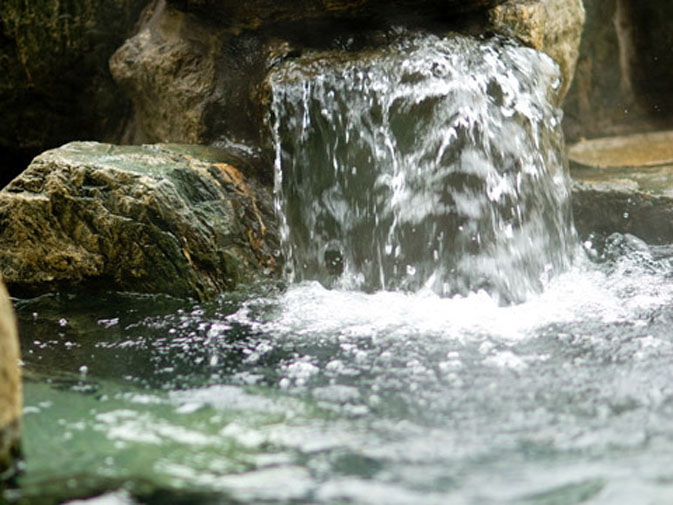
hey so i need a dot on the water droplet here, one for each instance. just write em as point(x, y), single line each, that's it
point(411, 270)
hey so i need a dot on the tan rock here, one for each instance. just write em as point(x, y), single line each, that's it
point(10, 385)
point(552, 26)
point(624, 184)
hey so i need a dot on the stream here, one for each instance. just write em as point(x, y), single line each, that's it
point(441, 336)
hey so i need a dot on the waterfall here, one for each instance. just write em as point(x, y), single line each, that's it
point(433, 162)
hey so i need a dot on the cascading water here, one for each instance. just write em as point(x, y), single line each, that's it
point(432, 162)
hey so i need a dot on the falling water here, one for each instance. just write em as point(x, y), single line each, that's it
point(430, 163)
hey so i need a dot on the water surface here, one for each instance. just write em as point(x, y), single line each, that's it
point(309, 395)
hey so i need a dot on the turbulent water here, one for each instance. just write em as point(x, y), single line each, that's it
point(430, 162)
point(332, 397)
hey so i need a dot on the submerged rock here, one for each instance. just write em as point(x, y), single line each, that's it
point(11, 399)
point(624, 185)
point(156, 218)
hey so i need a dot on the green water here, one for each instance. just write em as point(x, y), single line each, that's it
point(307, 395)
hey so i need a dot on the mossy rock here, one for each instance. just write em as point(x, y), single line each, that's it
point(152, 219)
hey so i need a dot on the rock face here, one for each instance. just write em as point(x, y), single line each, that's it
point(550, 26)
point(173, 219)
point(624, 185)
point(191, 82)
point(624, 77)
point(55, 85)
point(10, 388)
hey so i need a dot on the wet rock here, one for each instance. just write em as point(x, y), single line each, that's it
point(11, 399)
point(624, 185)
point(550, 26)
point(55, 84)
point(156, 218)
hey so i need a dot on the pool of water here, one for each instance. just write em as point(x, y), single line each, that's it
point(308, 395)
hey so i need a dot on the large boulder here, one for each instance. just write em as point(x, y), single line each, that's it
point(55, 85)
point(624, 185)
point(157, 218)
point(11, 399)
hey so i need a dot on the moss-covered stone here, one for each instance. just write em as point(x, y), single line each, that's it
point(157, 218)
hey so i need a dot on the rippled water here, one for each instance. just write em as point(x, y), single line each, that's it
point(306, 395)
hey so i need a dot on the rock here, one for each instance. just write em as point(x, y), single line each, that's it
point(255, 13)
point(550, 26)
point(624, 185)
point(196, 81)
point(55, 84)
point(156, 218)
point(624, 71)
point(191, 82)
point(11, 400)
